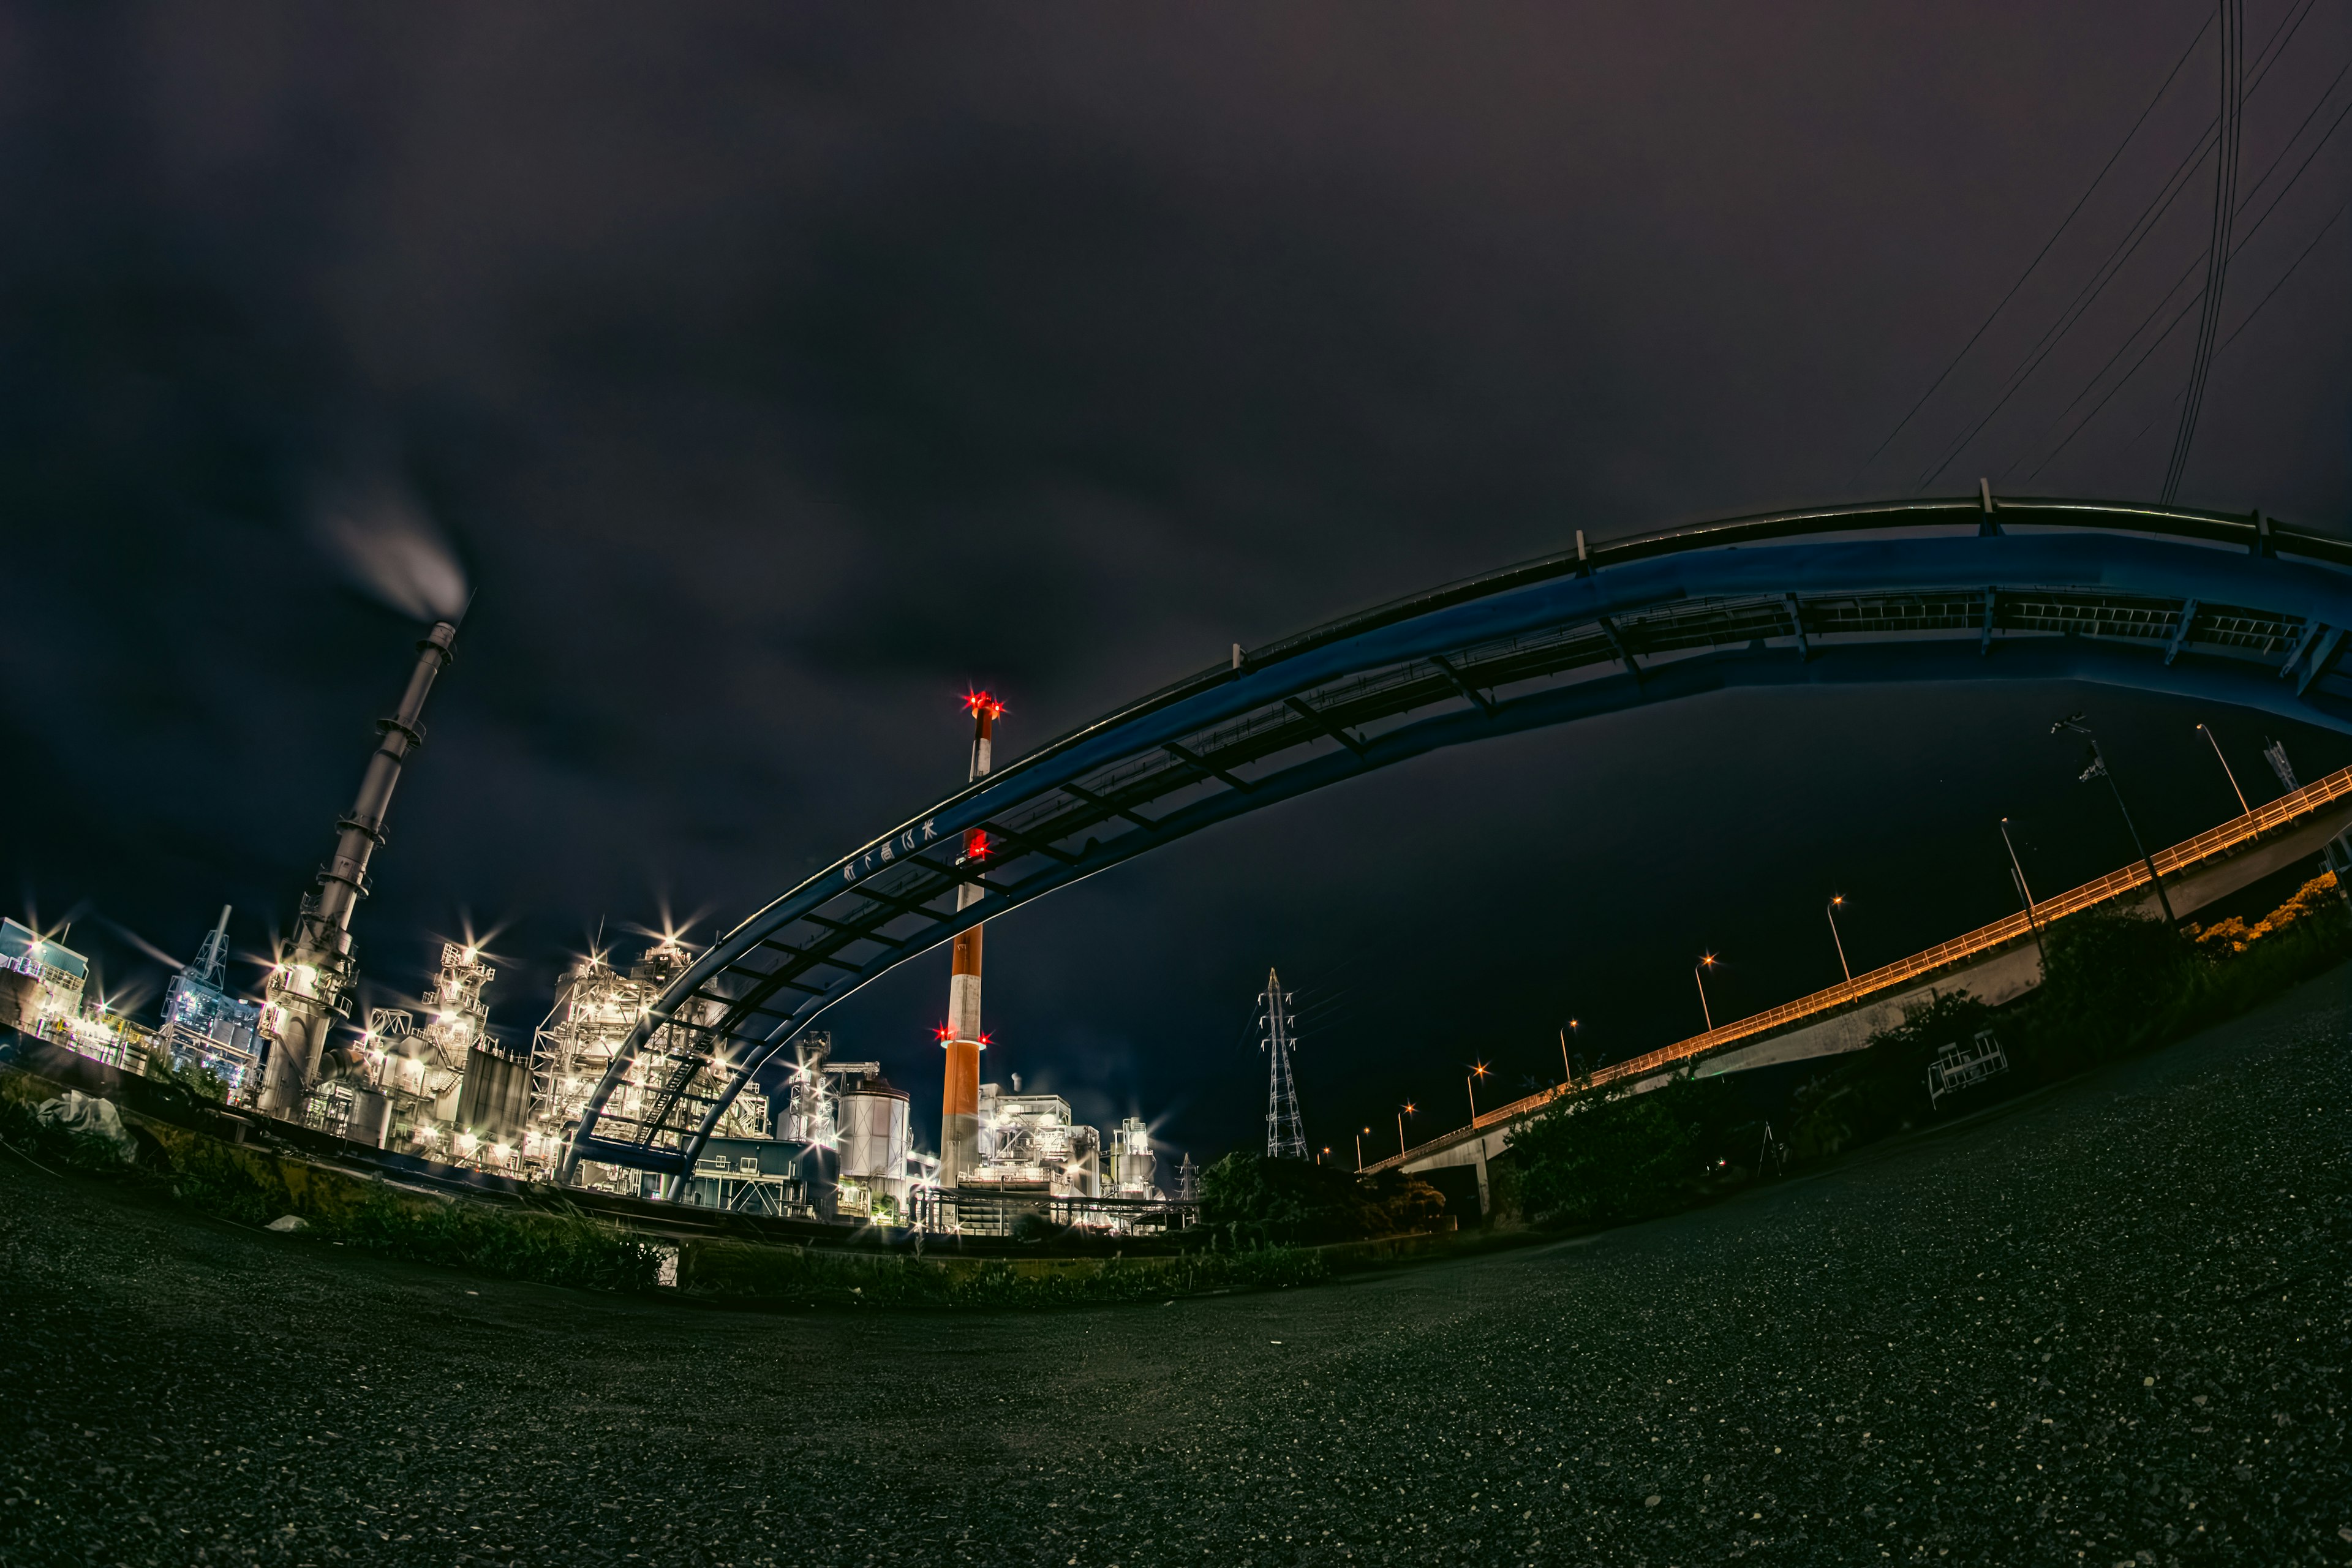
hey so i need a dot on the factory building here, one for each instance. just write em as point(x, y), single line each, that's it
point(594, 1011)
point(1131, 1165)
point(41, 982)
point(432, 1079)
point(207, 1028)
point(43, 992)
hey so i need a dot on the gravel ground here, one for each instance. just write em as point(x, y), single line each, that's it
point(2107, 1324)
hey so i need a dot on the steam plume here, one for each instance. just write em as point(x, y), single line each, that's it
point(389, 546)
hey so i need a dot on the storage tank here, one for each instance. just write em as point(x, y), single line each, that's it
point(872, 1118)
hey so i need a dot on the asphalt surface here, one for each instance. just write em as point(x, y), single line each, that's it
point(2106, 1324)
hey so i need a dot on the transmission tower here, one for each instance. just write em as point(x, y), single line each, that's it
point(1286, 1134)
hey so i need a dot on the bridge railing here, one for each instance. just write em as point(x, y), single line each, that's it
point(2179, 857)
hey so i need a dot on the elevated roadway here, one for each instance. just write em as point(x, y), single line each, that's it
point(1996, 963)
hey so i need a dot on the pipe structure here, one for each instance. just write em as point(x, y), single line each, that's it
point(309, 990)
point(963, 1038)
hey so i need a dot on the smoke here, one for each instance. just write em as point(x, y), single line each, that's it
point(388, 545)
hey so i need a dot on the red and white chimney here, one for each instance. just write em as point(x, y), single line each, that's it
point(960, 1102)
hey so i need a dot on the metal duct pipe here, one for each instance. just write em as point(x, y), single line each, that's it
point(309, 991)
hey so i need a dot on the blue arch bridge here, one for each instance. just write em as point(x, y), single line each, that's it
point(2232, 608)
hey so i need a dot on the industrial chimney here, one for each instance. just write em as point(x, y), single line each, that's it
point(960, 1102)
point(311, 989)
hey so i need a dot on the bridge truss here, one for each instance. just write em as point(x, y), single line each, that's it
point(2232, 608)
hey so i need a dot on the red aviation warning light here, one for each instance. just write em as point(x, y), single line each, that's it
point(975, 844)
point(981, 703)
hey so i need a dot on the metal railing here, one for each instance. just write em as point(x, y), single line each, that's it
point(1984, 938)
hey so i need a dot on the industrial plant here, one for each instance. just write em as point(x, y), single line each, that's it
point(825, 1138)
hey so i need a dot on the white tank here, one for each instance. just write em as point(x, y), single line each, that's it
point(873, 1131)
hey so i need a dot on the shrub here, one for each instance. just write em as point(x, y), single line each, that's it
point(1257, 1201)
point(1882, 1088)
point(1588, 1162)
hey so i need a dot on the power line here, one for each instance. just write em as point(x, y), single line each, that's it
point(2186, 273)
point(2217, 253)
point(2044, 251)
point(2125, 247)
point(2238, 331)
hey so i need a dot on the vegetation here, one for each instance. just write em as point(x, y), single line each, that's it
point(2113, 984)
point(791, 1276)
point(557, 1246)
point(1588, 1162)
point(201, 1082)
point(1254, 1201)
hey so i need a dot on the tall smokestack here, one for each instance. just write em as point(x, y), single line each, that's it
point(959, 1103)
point(309, 991)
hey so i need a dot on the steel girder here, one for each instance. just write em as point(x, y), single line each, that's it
point(2235, 609)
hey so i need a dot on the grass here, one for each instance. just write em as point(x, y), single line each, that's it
point(557, 1246)
point(744, 1272)
point(253, 1187)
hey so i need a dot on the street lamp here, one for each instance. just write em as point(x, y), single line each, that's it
point(1470, 1083)
point(2098, 769)
point(1567, 1073)
point(1836, 899)
point(2243, 809)
point(1699, 973)
point(2017, 870)
point(1403, 1111)
point(1362, 1133)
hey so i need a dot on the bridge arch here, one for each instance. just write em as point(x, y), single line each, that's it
point(2238, 609)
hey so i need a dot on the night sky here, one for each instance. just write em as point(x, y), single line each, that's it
point(777, 372)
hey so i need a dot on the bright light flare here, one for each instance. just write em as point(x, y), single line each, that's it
point(977, 702)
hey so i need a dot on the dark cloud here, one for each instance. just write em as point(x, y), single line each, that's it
point(775, 373)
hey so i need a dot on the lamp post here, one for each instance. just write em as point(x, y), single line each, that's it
point(1362, 1133)
point(1403, 1111)
point(1567, 1073)
point(2243, 809)
point(1699, 973)
point(1470, 1083)
point(1835, 900)
point(2098, 769)
point(2017, 870)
